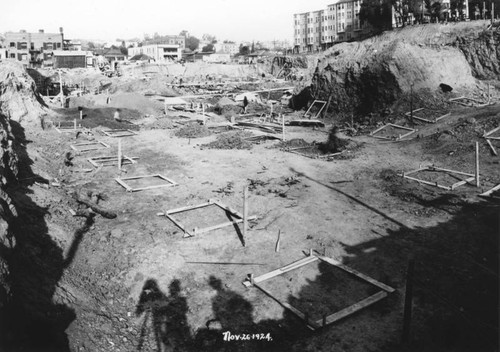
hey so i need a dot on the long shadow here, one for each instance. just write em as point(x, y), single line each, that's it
point(165, 316)
point(236, 228)
point(382, 214)
point(31, 320)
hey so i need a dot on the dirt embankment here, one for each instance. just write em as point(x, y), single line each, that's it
point(369, 76)
point(18, 98)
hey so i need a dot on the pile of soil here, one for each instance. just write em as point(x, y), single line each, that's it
point(231, 140)
point(95, 117)
point(334, 143)
point(158, 124)
point(130, 101)
point(193, 130)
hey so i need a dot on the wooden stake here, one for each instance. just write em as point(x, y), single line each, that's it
point(477, 165)
point(74, 124)
point(251, 279)
point(283, 126)
point(119, 155)
point(81, 115)
point(277, 248)
point(493, 150)
point(245, 213)
point(408, 301)
point(310, 252)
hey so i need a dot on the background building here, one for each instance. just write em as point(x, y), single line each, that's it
point(33, 48)
point(158, 52)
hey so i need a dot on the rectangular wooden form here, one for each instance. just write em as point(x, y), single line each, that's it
point(196, 231)
point(407, 131)
point(332, 318)
point(88, 146)
point(421, 112)
point(111, 160)
point(469, 179)
point(470, 102)
point(119, 133)
point(320, 110)
point(121, 182)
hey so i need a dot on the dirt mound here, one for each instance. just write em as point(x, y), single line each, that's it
point(193, 130)
point(130, 101)
point(369, 76)
point(18, 98)
point(231, 140)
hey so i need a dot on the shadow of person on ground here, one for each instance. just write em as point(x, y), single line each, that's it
point(166, 314)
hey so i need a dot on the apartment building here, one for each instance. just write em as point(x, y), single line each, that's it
point(320, 29)
point(33, 48)
point(227, 47)
point(158, 52)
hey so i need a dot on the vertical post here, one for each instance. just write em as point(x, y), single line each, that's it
point(477, 165)
point(119, 155)
point(277, 248)
point(61, 89)
point(283, 126)
point(245, 212)
point(411, 105)
point(408, 301)
point(251, 279)
point(81, 114)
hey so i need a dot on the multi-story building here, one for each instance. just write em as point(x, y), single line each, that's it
point(33, 48)
point(320, 29)
point(227, 47)
point(179, 40)
point(158, 52)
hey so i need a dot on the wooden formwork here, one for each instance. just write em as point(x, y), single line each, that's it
point(121, 182)
point(408, 131)
point(119, 133)
point(327, 319)
point(420, 111)
point(470, 178)
point(239, 218)
point(88, 146)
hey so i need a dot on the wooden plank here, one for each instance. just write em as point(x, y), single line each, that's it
point(357, 273)
point(123, 184)
point(400, 127)
point(493, 150)
point(295, 265)
point(406, 134)
point(435, 184)
point(414, 111)
point(138, 177)
point(495, 138)
point(353, 308)
point(491, 132)
point(378, 129)
point(189, 207)
point(414, 171)
point(152, 187)
point(489, 192)
point(442, 117)
point(310, 324)
point(219, 226)
point(167, 179)
point(455, 185)
point(422, 119)
point(433, 168)
point(179, 225)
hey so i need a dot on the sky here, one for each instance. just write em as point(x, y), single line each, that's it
point(259, 20)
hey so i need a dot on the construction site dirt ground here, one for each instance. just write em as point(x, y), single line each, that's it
point(135, 282)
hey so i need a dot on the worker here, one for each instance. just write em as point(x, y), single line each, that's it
point(245, 104)
point(117, 116)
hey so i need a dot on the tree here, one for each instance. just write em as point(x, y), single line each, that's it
point(192, 43)
point(377, 13)
point(244, 49)
point(434, 7)
point(123, 48)
point(208, 48)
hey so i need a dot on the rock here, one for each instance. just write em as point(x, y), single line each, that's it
point(116, 233)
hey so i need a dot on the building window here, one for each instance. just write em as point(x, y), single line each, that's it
point(12, 45)
point(12, 56)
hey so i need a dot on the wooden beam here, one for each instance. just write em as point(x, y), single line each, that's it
point(493, 150)
point(190, 207)
point(435, 184)
point(489, 192)
point(178, 224)
point(357, 273)
point(292, 266)
point(353, 308)
point(491, 132)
